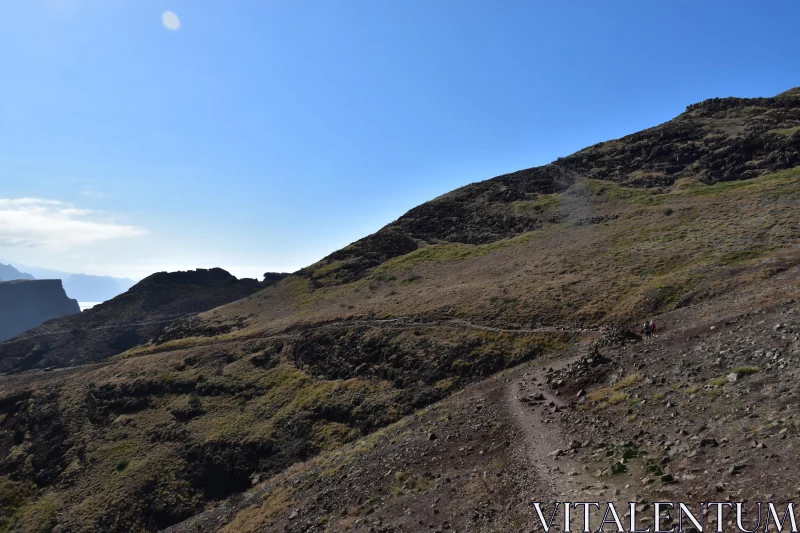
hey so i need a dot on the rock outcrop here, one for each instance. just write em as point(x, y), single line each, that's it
point(25, 304)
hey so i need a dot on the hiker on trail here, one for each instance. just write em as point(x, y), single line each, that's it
point(653, 327)
point(647, 329)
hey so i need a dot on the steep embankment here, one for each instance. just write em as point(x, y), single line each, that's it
point(25, 304)
point(672, 219)
point(125, 321)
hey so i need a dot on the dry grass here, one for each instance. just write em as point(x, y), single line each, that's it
point(627, 382)
point(255, 517)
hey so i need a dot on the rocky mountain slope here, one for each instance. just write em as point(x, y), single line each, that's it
point(25, 304)
point(288, 389)
point(123, 322)
point(704, 411)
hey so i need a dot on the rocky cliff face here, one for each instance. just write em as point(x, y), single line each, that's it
point(25, 304)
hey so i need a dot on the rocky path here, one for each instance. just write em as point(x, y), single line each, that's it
point(552, 450)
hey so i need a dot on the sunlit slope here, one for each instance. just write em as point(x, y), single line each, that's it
point(611, 254)
point(481, 279)
point(628, 226)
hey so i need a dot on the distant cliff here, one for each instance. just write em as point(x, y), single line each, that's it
point(25, 304)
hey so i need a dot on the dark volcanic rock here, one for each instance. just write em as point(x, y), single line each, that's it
point(24, 304)
point(130, 319)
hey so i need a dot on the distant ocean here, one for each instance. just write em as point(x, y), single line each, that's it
point(87, 305)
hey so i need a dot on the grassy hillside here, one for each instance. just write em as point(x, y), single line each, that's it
point(476, 281)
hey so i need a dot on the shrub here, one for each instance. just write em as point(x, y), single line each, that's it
point(745, 370)
point(692, 390)
point(194, 401)
point(629, 381)
point(598, 395)
point(122, 464)
point(617, 398)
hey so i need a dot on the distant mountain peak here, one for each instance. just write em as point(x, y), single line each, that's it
point(9, 273)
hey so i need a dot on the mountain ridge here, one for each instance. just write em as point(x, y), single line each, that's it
point(9, 273)
point(288, 389)
point(712, 141)
point(124, 321)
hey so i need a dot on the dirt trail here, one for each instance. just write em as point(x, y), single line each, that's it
point(550, 451)
point(399, 323)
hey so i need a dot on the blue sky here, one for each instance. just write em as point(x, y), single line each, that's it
point(264, 134)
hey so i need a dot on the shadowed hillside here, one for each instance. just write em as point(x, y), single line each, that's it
point(687, 218)
point(125, 321)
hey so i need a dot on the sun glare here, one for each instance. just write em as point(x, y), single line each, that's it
point(171, 21)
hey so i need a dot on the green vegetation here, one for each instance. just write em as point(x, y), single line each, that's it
point(541, 204)
point(630, 195)
point(443, 253)
point(786, 132)
point(613, 395)
point(784, 180)
point(19, 511)
point(718, 381)
point(688, 391)
point(741, 256)
point(629, 381)
point(617, 398)
point(745, 370)
point(13, 495)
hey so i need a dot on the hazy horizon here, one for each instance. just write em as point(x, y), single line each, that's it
point(148, 136)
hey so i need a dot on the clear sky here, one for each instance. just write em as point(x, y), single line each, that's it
point(263, 134)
